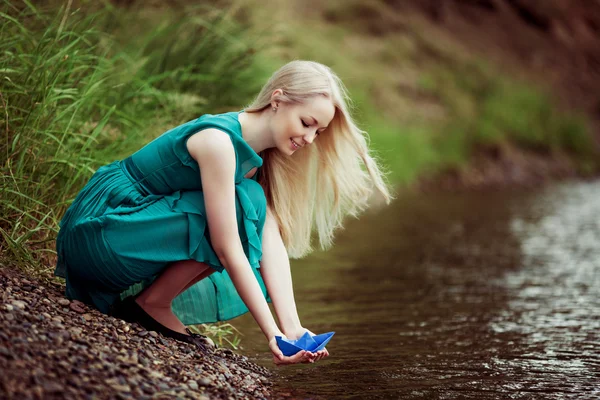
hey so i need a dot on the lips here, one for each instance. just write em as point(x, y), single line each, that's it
point(294, 144)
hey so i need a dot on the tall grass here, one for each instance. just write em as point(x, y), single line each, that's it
point(74, 95)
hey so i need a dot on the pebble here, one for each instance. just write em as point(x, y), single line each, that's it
point(64, 302)
point(77, 307)
point(19, 304)
point(204, 381)
point(65, 349)
point(88, 317)
point(53, 387)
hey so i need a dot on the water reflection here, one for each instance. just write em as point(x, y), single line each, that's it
point(480, 295)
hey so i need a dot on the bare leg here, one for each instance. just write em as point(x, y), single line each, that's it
point(157, 298)
point(197, 279)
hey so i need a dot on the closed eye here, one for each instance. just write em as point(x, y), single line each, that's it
point(304, 123)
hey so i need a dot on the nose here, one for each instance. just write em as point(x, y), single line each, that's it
point(310, 137)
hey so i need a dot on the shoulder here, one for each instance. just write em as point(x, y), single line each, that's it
point(210, 143)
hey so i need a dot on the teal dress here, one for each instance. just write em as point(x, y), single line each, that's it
point(136, 216)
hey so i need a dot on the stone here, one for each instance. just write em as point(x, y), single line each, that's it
point(63, 302)
point(88, 317)
point(53, 387)
point(19, 304)
point(75, 331)
point(204, 381)
point(76, 306)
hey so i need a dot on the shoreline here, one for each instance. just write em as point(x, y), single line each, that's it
point(53, 348)
point(502, 167)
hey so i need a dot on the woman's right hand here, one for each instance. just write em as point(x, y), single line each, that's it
point(279, 359)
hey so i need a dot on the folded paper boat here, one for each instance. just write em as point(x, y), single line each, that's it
point(306, 342)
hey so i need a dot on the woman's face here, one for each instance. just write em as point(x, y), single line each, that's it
point(297, 125)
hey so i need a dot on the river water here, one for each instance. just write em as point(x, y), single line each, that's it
point(491, 295)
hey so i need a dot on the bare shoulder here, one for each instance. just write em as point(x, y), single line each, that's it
point(210, 144)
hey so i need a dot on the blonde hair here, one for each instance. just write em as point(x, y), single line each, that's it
point(324, 182)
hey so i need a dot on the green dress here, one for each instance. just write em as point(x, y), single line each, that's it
point(136, 216)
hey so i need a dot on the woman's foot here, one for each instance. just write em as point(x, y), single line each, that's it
point(130, 310)
point(163, 314)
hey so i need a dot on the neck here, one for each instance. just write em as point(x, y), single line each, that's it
point(256, 131)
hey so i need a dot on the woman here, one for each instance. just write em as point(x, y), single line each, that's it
point(221, 193)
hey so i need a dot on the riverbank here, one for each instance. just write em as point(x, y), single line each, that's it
point(503, 166)
point(53, 348)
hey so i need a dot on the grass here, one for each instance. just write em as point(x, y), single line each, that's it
point(222, 333)
point(75, 98)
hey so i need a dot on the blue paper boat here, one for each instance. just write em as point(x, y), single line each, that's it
point(306, 342)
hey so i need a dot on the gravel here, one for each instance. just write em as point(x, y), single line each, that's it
point(53, 348)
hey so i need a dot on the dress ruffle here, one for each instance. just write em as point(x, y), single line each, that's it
point(216, 298)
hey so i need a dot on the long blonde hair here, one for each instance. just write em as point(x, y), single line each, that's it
point(324, 182)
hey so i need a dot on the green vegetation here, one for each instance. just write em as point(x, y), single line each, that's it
point(222, 333)
point(84, 85)
point(74, 97)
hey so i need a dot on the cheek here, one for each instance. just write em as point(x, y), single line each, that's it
point(287, 128)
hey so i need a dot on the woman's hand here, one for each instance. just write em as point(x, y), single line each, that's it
point(279, 359)
point(297, 333)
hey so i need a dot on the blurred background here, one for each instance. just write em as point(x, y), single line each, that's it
point(478, 282)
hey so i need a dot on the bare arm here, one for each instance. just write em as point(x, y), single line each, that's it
point(275, 270)
point(214, 152)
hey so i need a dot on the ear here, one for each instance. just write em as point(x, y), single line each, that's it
point(276, 97)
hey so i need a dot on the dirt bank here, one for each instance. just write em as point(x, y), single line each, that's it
point(552, 43)
point(502, 166)
point(51, 348)
point(555, 43)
